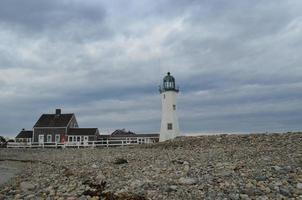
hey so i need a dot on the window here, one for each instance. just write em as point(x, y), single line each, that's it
point(170, 127)
point(49, 138)
point(70, 138)
point(57, 138)
point(174, 107)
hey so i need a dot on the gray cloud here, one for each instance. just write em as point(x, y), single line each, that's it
point(238, 64)
point(40, 14)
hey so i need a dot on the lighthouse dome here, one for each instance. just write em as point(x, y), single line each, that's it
point(168, 83)
point(169, 78)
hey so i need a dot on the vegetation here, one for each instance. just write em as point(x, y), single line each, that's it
point(3, 142)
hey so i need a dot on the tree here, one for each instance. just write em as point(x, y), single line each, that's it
point(3, 142)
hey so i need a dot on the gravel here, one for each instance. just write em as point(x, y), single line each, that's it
point(256, 166)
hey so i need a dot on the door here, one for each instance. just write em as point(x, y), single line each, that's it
point(41, 139)
point(85, 140)
point(57, 138)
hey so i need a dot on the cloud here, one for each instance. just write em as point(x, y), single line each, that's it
point(40, 14)
point(238, 64)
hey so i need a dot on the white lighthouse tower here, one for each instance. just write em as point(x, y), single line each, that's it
point(169, 122)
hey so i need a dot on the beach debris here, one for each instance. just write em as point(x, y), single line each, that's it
point(120, 161)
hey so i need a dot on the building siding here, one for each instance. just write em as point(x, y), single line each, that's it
point(49, 131)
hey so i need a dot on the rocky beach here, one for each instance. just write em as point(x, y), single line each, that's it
point(255, 166)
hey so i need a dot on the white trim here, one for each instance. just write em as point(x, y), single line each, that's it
point(39, 138)
point(33, 137)
point(73, 116)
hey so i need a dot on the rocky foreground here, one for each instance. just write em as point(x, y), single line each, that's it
point(264, 166)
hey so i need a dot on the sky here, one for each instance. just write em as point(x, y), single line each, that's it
point(238, 63)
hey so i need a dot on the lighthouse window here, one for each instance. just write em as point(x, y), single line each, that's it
point(169, 126)
point(174, 107)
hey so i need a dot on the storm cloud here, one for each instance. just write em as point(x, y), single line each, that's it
point(238, 63)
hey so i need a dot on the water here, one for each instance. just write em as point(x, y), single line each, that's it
point(7, 171)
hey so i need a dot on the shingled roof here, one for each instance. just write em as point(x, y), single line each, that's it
point(122, 133)
point(54, 120)
point(25, 134)
point(82, 131)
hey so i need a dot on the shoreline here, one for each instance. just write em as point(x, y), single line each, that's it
point(256, 166)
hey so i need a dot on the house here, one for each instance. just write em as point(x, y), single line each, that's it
point(129, 137)
point(24, 136)
point(58, 128)
point(82, 134)
point(61, 129)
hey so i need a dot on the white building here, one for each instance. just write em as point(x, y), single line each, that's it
point(169, 122)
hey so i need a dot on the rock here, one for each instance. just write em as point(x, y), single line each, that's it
point(25, 186)
point(278, 183)
point(234, 169)
point(100, 176)
point(249, 185)
point(186, 168)
point(262, 198)
point(186, 163)
point(234, 196)
point(244, 196)
point(284, 192)
point(29, 197)
point(277, 168)
point(172, 188)
point(265, 189)
point(137, 184)
point(187, 181)
point(82, 198)
point(260, 178)
point(249, 191)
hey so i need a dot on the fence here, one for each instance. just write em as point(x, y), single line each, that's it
point(92, 144)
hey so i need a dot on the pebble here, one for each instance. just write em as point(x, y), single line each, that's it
point(172, 188)
point(187, 181)
point(284, 192)
point(27, 186)
point(237, 167)
point(31, 196)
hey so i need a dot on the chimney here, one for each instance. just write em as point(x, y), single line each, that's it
point(58, 111)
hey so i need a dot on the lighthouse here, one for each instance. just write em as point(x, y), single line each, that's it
point(169, 122)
